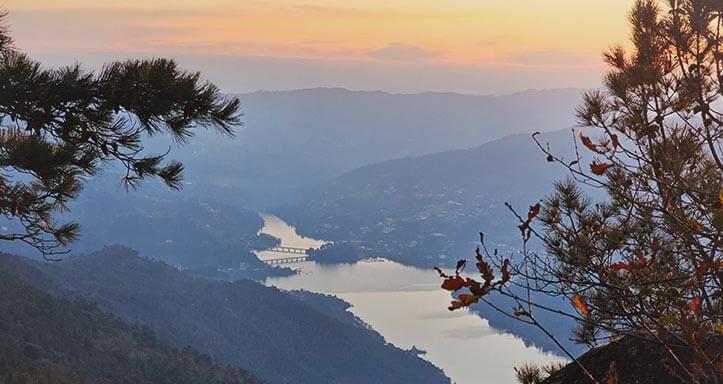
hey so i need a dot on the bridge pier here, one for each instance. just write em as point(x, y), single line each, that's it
point(286, 260)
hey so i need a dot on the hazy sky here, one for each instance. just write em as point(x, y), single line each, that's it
point(472, 46)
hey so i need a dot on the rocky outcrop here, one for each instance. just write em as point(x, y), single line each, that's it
point(634, 359)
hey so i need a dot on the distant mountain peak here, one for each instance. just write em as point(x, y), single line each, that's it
point(342, 90)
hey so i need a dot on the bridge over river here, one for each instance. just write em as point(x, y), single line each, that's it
point(288, 255)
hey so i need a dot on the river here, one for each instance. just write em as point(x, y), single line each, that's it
point(406, 305)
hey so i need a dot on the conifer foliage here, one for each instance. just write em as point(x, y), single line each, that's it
point(645, 261)
point(61, 125)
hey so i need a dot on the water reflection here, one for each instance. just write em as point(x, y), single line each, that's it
point(406, 305)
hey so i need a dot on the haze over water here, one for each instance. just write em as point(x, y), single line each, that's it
point(406, 305)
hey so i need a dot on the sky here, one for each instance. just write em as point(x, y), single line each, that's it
point(467, 46)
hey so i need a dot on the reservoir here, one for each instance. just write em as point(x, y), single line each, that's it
point(407, 306)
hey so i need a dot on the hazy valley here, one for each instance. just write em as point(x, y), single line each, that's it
point(361, 192)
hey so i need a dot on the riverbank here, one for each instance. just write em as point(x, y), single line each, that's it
point(407, 307)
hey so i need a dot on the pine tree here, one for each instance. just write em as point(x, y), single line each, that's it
point(60, 126)
point(647, 260)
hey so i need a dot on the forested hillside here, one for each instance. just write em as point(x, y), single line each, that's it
point(275, 335)
point(427, 211)
point(46, 339)
point(294, 141)
point(184, 229)
point(181, 228)
point(291, 144)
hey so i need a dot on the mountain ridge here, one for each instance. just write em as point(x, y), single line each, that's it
point(48, 339)
point(240, 323)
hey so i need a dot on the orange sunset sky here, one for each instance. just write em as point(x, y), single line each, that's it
point(471, 46)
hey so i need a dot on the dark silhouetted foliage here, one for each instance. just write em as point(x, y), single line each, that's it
point(644, 262)
point(634, 360)
point(59, 126)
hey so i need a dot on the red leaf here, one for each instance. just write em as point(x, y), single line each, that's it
point(505, 271)
point(524, 227)
point(478, 254)
point(468, 300)
point(702, 269)
point(453, 283)
point(586, 141)
point(615, 140)
point(533, 212)
point(486, 270)
point(455, 305)
point(475, 287)
point(599, 168)
point(617, 267)
point(642, 259)
point(705, 267)
point(695, 304)
point(579, 303)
